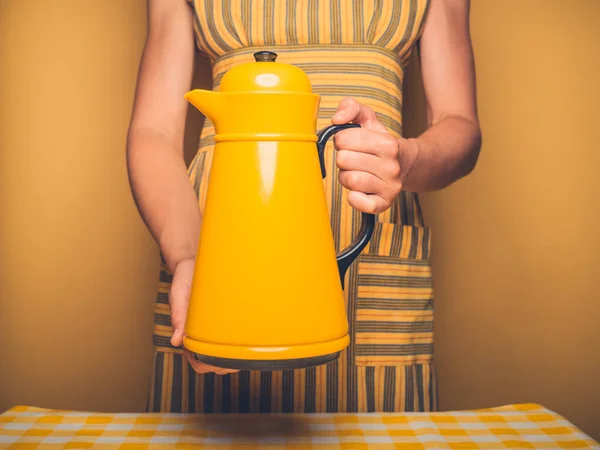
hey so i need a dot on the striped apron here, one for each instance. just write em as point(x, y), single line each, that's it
point(347, 48)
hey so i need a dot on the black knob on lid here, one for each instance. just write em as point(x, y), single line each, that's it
point(265, 56)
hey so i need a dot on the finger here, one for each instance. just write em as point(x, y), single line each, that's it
point(355, 161)
point(224, 371)
point(178, 301)
point(350, 110)
point(200, 367)
point(372, 204)
point(355, 180)
point(376, 143)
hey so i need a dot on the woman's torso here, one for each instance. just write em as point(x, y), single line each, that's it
point(347, 48)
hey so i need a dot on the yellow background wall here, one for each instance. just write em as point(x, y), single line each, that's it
point(78, 269)
point(516, 245)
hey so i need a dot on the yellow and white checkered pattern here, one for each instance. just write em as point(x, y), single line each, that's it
point(517, 426)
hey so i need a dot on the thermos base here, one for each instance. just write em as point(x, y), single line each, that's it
point(266, 358)
point(267, 365)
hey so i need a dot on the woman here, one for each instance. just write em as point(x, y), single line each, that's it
point(355, 54)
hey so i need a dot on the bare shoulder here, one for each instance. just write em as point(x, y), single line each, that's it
point(447, 60)
point(451, 11)
point(165, 70)
point(167, 12)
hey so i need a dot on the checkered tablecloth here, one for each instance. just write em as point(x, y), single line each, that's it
point(516, 426)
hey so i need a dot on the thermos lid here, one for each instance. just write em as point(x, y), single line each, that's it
point(267, 75)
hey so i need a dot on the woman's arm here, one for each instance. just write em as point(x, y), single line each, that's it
point(374, 165)
point(157, 170)
point(449, 149)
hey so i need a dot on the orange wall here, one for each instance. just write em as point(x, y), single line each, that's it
point(78, 268)
point(516, 245)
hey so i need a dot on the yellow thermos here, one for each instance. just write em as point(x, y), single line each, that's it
point(267, 292)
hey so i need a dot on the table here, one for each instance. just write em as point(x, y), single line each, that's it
point(513, 426)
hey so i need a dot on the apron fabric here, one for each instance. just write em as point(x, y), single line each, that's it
point(348, 48)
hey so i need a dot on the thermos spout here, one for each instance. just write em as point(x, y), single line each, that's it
point(209, 103)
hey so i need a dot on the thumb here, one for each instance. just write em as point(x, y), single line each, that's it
point(346, 112)
point(350, 110)
point(179, 298)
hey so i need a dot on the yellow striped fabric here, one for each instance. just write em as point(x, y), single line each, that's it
point(347, 48)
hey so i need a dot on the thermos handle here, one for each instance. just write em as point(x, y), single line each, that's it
point(347, 256)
